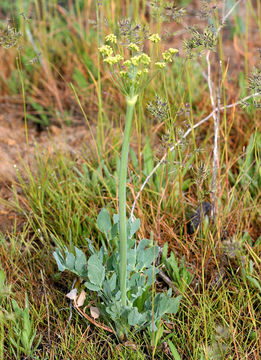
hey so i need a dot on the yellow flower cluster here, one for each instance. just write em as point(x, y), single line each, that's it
point(141, 72)
point(123, 74)
point(155, 38)
point(168, 54)
point(106, 50)
point(127, 64)
point(143, 59)
point(111, 38)
point(136, 68)
point(133, 47)
point(133, 72)
point(160, 64)
point(112, 60)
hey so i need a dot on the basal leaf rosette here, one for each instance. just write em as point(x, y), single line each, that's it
point(131, 68)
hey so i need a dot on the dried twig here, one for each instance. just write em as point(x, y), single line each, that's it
point(167, 280)
point(89, 318)
point(228, 14)
point(216, 116)
point(210, 84)
point(216, 150)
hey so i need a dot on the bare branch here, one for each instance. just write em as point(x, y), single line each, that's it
point(167, 280)
point(216, 149)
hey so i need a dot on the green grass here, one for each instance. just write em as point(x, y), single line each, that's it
point(62, 194)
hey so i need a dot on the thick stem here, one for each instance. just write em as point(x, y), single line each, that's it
point(131, 101)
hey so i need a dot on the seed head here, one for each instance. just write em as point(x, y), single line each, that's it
point(158, 108)
point(9, 37)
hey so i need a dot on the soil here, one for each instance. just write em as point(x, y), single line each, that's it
point(14, 152)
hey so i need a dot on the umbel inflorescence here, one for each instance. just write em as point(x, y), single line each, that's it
point(131, 67)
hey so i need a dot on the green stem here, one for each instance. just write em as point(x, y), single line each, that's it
point(100, 127)
point(131, 101)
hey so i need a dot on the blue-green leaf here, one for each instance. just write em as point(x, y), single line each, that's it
point(135, 318)
point(80, 262)
point(134, 227)
point(92, 251)
point(116, 218)
point(96, 271)
point(59, 259)
point(69, 260)
point(173, 305)
point(143, 244)
point(91, 286)
point(151, 274)
point(114, 231)
point(149, 255)
point(131, 260)
point(104, 221)
point(112, 282)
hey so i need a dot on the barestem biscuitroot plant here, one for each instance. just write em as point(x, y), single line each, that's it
point(130, 76)
point(123, 279)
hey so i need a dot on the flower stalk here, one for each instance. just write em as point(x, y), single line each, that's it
point(131, 101)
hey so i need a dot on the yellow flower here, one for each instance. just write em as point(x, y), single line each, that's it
point(155, 38)
point(144, 59)
point(135, 60)
point(160, 64)
point(127, 63)
point(173, 51)
point(111, 38)
point(140, 59)
point(133, 47)
point(106, 50)
point(123, 74)
point(168, 54)
point(112, 60)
